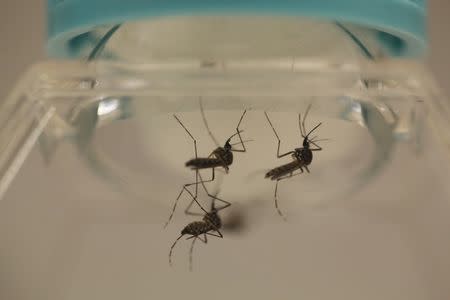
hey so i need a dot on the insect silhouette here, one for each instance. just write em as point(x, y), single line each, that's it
point(220, 157)
point(302, 157)
point(210, 225)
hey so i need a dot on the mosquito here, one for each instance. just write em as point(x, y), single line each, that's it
point(210, 225)
point(302, 157)
point(220, 157)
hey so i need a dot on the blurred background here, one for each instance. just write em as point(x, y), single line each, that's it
point(405, 244)
point(23, 26)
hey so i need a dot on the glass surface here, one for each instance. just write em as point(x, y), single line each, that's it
point(103, 159)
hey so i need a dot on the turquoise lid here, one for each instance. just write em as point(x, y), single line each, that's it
point(401, 23)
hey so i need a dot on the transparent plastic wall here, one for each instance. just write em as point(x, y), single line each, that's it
point(92, 160)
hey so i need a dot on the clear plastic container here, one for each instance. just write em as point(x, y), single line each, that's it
point(92, 161)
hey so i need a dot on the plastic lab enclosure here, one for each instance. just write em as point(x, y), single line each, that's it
point(92, 160)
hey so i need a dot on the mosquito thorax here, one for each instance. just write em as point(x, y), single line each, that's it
point(213, 219)
point(304, 155)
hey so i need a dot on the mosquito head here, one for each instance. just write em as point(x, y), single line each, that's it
point(185, 230)
point(306, 140)
point(228, 144)
point(305, 143)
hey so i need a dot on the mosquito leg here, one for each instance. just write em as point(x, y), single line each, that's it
point(213, 176)
point(276, 191)
point(278, 138)
point(176, 202)
point(174, 207)
point(202, 111)
point(171, 249)
point(196, 201)
point(191, 252)
point(215, 198)
point(185, 187)
point(198, 237)
point(194, 198)
point(187, 131)
point(226, 203)
point(243, 142)
point(195, 152)
point(239, 135)
point(205, 239)
point(315, 149)
point(188, 211)
point(276, 201)
point(219, 235)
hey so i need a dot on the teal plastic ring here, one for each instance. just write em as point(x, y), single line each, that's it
point(400, 23)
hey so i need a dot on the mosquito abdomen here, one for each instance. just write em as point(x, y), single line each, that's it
point(204, 163)
point(280, 171)
point(196, 228)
